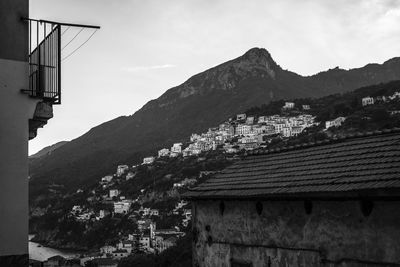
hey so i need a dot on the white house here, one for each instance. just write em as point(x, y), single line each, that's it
point(176, 148)
point(128, 245)
point(334, 123)
point(148, 160)
point(130, 175)
point(76, 209)
point(103, 213)
point(250, 120)
point(240, 117)
point(122, 207)
point(296, 130)
point(144, 242)
point(114, 193)
point(163, 152)
point(288, 105)
point(243, 129)
point(107, 178)
point(306, 107)
point(162, 243)
point(367, 101)
point(121, 169)
point(107, 249)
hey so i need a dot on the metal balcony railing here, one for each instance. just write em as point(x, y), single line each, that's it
point(45, 58)
point(44, 61)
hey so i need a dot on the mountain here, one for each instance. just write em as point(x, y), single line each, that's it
point(203, 101)
point(47, 150)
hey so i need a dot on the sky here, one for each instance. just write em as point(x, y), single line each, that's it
point(146, 47)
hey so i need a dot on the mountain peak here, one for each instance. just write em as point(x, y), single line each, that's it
point(257, 51)
point(258, 55)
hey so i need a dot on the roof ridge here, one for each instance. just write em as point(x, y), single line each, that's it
point(334, 139)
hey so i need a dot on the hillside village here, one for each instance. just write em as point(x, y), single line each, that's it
point(241, 133)
point(111, 199)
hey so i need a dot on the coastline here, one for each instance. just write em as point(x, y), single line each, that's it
point(41, 252)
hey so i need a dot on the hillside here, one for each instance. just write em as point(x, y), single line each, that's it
point(159, 185)
point(202, 101)
point(47, 150)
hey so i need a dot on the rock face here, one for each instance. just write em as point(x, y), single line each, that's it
point(203, 101)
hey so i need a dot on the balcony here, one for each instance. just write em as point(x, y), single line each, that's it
point(45, 67)
point(44, 61)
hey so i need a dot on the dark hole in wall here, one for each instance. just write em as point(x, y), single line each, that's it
point(259, 207)
point(366, 207)
point(308, 206)
point(221, 207)
point(208, 228)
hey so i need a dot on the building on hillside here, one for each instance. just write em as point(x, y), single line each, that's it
point(76, 209)
point(122, 207)
point(107, 249)
point(243, 129)
point(127, 245)
point(367, 101)
point(306, 107)
point(176, 150)
point(103, 213)
point(145, 242)
point(121, 169)
point(332, 203)
point(163, 152)
point(250, 120)
point(334, 123)
point(240, 117)
point(395, 95)
point(107, 179)
point(279, 127)
point(296, 130)
point(288, 105)
point(114, 193)
point(130, 175)
point(86, 216)
point(148, 160)
point(162, 243)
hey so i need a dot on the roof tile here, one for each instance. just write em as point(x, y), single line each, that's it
point(360, 162)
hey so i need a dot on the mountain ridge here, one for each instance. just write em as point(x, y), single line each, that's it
point(202, 101)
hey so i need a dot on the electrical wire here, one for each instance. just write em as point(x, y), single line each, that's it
point(70, 54)
point(65, 30)
point(72, 39)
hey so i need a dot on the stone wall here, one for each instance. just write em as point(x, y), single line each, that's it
point(281, 233)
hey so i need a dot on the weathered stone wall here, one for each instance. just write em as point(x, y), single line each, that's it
point(335, 233)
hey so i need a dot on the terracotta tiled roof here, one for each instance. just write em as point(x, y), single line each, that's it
point(358, 163)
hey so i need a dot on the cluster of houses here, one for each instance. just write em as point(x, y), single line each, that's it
point(334, 123)
point(366, 101)
point(243, 132)
point(147, 239)
point(250, 132)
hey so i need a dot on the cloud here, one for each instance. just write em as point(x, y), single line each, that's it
point(147, 68)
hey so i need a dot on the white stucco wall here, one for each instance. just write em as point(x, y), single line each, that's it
point(15, 110)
